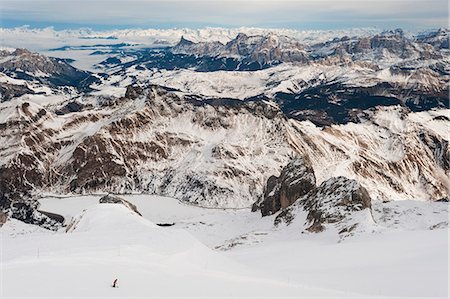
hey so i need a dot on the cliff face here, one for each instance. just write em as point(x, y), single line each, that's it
point(296, 180)
point(217, 153)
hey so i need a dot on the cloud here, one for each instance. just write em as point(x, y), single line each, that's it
point(308, 14)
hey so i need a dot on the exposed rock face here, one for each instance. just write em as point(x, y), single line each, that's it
point(295, 180)
point(70, 107)
point(264, 49)
point(3, 218)
point(11, 91)
point(388, 44)
point(133, 92)
point(271, 49)
point(119, 200)
point(333, 200)
point(214, 152)
point(330, 203)
point(26, 210)
point(205, 152)
point(205, 48)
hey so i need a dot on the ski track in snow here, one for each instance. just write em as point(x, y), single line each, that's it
point(109, 241)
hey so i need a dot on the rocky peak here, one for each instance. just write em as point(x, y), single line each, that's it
point(333, 202)
point(188, 47)
point(263, 49)
point(21, 51)
point(184, 42)
point(296, 179)
point(395, 32)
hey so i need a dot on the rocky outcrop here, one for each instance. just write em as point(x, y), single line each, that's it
point(70, 107)
point(3, 218)
point(119, 200)
point(11, 91)
point(295, 189)
point(295, 180)
point(333, 202)
point(133, 92)
point(26, 210)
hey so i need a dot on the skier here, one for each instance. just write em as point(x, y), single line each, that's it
point(114, 285)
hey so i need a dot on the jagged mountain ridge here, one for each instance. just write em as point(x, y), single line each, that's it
point(209, 153)
point(272, 49)
point(329, 82)
point(265, 50)
point(156, 143)
point(255, 52)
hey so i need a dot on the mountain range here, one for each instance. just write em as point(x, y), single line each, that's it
point(217, 123)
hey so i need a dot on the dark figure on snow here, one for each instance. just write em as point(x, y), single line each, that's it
point(114, 285)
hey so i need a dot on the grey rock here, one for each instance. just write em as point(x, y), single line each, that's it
point(331, 203)
point(333, 200)
point(296, 179)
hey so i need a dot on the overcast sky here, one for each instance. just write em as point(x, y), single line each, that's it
point(296, 14)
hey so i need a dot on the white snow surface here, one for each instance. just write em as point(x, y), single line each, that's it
point(286, 77)
point(109, 241)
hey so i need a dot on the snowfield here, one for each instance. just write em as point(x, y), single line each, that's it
point(214, 253)
point(109, 241)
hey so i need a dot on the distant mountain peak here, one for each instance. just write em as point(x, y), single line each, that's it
point(183, 41)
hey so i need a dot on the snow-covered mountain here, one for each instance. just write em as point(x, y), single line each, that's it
point(344, 75)
point(23, 72)
point(48, 38)
point(263, 50)
point(216, 153)
point(23, 64)
point(228, 162)
point(370, 107)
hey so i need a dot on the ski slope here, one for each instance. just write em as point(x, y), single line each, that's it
point(215, 253)
point(109, 241)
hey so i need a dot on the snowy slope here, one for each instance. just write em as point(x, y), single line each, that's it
point(112, 242)
point(286, 78)
point(404, 254)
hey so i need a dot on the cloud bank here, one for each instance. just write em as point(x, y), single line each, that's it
point(300, 14)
